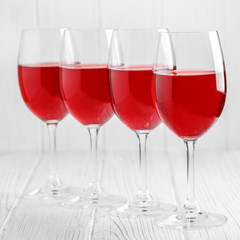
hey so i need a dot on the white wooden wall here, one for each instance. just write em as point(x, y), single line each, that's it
point(21, 130)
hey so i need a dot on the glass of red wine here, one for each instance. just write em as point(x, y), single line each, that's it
point(130, 66)
point(38, 74)
point(189, 89)
point(85, 90)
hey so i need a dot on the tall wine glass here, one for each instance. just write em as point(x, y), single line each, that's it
point(130, 65)
point(85, 90)
point(189, 88)
point(38, 74)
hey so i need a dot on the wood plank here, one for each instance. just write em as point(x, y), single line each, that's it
point(160, 185)
point(217, 189)
point(16, 171)
point(50, 221)
point(47, 219)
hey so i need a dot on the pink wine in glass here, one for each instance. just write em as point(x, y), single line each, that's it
point(85, 90)
point(189, 101)
point(132, 97)
point(39, 84)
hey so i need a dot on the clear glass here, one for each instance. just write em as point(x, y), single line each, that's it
point(189, 89)
point(130, 66)
point(38, 72)
point(85, 89)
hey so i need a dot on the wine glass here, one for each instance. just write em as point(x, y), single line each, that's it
point(38, 74)
point(130, 66)
point(189, 89)
point(85, 90)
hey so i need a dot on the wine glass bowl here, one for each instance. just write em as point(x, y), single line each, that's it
point(90, 94)
point(137, 111)
point(189, 90)
point(191, 110)
point(42, 95)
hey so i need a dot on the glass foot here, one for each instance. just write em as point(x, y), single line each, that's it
point(46, 193)
point(94, 200)
point(191, 220)
point(144, 209)
point(54, 189)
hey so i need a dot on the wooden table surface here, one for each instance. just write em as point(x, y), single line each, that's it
point(217, 190)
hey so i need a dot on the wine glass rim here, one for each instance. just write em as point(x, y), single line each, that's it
point(43, 29)
point(112, 29)
point(90, 29)
point(189, 31)
point(136, 29)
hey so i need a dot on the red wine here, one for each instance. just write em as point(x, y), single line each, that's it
point(132, 97)
point(39, 85)
point(85, 90)
point(189, 102)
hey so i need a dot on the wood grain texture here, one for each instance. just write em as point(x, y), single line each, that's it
point(16, 172)
point(217, 190)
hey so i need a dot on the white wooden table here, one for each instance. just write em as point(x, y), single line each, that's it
point(217, 190)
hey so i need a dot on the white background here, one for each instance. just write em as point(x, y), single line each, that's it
point(20, 130)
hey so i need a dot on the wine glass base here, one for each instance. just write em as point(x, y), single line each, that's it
point(91, 200)
point(191, 221)
point(151, 210)
point(46, 193)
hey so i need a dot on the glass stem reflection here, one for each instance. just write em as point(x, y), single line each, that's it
point(94, 186)
point(143, 193)
point(190, 204)
point(53, 179)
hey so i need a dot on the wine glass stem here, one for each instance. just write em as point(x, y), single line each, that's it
point(143, 192)
point(53, 178)
point(190, 203)
point(93, 133)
